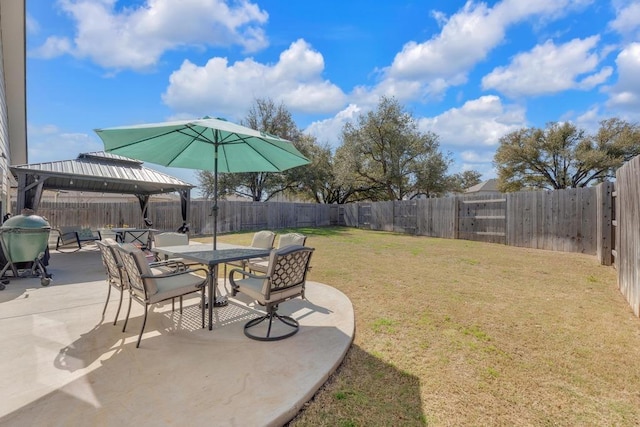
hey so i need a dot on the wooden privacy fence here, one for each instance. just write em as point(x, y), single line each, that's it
point(167, 216)
point(584, 220)
point(627, 232)
point(573, 220)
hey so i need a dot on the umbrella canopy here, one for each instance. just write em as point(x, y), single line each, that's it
point(203, 144)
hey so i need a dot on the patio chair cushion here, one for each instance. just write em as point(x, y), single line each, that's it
point(161, 288)
point(170, 239)
point(289, 239)
point(256, 289)
point(263, 239)
point(174, 286)
point(284, 240)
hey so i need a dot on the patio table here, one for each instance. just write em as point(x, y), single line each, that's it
point(203, 255)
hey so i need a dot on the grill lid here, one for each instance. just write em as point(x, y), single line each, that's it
point(26, 221)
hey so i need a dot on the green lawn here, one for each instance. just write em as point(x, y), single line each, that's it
point(452, 332)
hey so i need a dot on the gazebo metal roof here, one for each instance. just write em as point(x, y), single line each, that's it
point(95, 172)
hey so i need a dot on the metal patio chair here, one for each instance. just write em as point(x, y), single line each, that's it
point(116, 275)
point(260, 265)
point(285, 279)
point(152, 284)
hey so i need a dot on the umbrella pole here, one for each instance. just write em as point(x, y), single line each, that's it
point(215, 197)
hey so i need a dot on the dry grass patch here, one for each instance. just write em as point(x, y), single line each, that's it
point(452, 332)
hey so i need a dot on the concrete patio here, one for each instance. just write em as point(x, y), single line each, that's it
point(63, 364)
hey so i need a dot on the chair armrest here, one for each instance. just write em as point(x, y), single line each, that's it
point(166, 262)
point(177, 264)
point(246, 273)
point(173, 273)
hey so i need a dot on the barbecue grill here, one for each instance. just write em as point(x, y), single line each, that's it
point(24, 241)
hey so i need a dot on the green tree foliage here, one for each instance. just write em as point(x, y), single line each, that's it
point(564, 156)
point(386, 157)
point(459, 182)
point(321, 181)
point(264, 115)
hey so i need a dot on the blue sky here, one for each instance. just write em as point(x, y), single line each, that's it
point(468, 71)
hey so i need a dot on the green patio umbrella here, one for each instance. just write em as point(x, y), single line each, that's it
point(203, 144)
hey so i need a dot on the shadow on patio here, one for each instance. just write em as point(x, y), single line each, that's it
point(65, 365)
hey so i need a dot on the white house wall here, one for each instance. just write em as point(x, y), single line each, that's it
point(13, 111)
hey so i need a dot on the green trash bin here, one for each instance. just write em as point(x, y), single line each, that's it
point(25, 239)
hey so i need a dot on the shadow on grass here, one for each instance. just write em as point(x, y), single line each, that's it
point(362, 390)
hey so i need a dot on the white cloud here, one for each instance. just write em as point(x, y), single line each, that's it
point(627, 20)
point(478, 123)
point(590, 119)
point(42, 138)
point(626, 92)
point(32, 25)
point(296, 80)
point(471, 156)
point(550, 68)
point(487, 171)
point(53, 47)
point(329, 131)
point(136, 37)
point(466, 38)
point(480, 160)
point(475, 127)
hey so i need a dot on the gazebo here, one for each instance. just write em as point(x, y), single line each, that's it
point(97, 172)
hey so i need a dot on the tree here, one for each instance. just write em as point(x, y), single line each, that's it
point(309, 182)
point(564, 156)
point(264, 116)
point(459, 182)
point(387, 156)
point(333, 180)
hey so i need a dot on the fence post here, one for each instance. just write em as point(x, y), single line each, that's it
point(604, 194)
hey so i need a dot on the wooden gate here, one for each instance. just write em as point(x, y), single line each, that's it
point(364, 215)
point(482, 220)
point(405, 216)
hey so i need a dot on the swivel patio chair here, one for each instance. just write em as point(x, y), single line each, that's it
point(285, 279)
point(150, 284)
point(116, 275)
point(260, 265)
